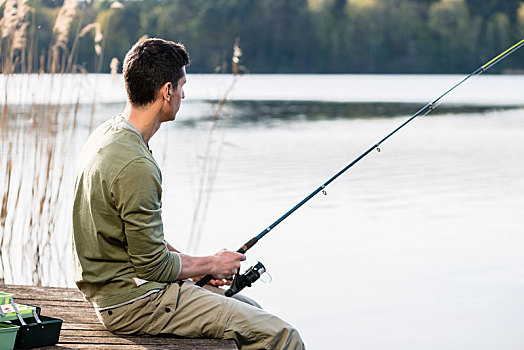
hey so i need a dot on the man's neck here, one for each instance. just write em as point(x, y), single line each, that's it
point(146, 119)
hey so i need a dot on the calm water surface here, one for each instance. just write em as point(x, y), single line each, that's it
point(418, 246)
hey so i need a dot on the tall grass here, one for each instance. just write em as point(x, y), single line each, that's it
point(36, 142)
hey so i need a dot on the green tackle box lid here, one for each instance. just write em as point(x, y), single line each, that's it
point(9, 313)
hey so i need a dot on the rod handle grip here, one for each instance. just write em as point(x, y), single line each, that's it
point(204, 280)
point(248, 245)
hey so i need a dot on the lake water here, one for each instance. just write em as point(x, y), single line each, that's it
point(419, 246)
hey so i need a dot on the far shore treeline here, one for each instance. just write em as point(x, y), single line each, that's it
point(285, 36)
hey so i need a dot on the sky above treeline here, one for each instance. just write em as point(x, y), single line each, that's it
point(272, 36)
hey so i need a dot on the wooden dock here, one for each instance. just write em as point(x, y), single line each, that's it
point(82, 330)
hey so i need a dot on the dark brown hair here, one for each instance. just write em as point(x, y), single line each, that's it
point(149, 65)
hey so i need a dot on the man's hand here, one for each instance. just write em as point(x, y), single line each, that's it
point(226, 264)
point(216, 283)
point(222, 265)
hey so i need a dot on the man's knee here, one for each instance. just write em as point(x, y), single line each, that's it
point(238, 297)
point(289, 338)
point(246, 300)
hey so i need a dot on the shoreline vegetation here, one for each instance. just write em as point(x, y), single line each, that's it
point(305, 36)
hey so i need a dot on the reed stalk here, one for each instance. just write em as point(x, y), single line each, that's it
point(209, 170)
point(36, 145)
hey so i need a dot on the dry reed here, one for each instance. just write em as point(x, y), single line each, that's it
point(61, 31)
point(97, 38)
point(20, 33)
point(13, 28)
point(114, 66)
point(142, 38)
point(20, 37)
point(35, 148)
point(63, 22)
point(211, 162)
point(10, 19)
point(117, 5)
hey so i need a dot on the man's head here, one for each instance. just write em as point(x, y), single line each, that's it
point(149, 65)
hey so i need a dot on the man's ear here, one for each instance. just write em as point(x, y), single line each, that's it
point(165, 90)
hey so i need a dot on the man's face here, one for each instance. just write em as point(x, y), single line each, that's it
point(176, 97)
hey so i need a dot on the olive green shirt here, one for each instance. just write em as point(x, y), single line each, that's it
point(117, 218)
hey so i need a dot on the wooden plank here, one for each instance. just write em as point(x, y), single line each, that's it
point(224, 345)
point(83, 326)
point(103, 333)
point(45, 293)
point(63, 303)
point(134, 340)
point(105, 337)
point(82, 330)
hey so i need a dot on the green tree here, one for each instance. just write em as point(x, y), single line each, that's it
point(455, 35)
point(485, 8)
point(294, 36)
point(498, 32)
point(520, 21)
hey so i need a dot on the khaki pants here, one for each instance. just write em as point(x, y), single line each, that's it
point(186, 310)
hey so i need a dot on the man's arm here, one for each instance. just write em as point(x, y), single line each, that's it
point(222, 265)
point(171, 248)
point(140, 210)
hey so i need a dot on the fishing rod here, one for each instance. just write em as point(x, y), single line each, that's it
point(253, 273)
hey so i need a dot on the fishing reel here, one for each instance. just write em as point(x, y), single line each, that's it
point(240, 281)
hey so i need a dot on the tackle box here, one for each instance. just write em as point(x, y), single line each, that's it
point(36, 334)
point(8, 334)
point(5, 298)
point(23, 327)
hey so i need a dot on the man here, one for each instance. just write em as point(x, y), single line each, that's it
point(135, 280)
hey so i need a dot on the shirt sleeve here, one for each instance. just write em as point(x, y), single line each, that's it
point(137, 194)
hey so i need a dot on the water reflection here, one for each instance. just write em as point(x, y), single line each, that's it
point(272, 113)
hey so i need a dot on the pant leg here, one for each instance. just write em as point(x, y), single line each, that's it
point(201, 313)
point(135, 317)
point(191, 311)
point(238, 297)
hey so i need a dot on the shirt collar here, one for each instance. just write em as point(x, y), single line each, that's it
point(127, 125)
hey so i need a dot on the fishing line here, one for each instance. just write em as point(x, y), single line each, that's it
point(241, 281)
